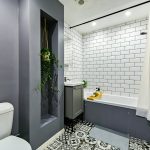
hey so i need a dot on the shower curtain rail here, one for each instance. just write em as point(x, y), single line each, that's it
point(110, 14)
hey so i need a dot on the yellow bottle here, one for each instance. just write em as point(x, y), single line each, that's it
point(96, 95)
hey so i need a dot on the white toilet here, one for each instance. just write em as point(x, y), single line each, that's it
point(8, 142)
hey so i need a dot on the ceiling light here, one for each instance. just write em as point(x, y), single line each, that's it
point(128, 13)
point(93, 23)
point(81, 2)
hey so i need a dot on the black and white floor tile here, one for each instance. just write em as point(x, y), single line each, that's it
point(79, 139)
point(138, 144)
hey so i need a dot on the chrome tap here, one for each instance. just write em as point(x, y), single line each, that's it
point(66, 79)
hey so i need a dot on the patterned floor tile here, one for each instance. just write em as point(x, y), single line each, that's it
point(74, 142)
point(90, 140)
point(85, 128)
point(80, 135)
point(55, 145)
point(105, 146)
point(138, 144)
point(85, 146)
point(79, 139)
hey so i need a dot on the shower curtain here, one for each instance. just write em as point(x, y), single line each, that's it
point(143, 106)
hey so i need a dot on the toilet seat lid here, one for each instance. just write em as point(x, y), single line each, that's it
point(14, 143)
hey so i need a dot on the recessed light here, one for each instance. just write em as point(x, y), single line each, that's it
point(81, 2)
point(128, 13)
point(93, 23)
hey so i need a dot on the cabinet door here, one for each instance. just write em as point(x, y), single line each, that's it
point(69, 102)
point(77, 101)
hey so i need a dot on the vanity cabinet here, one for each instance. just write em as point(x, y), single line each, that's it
point(73, 101)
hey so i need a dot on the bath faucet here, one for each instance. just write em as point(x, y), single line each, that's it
point(66, 79)
point(98, 89)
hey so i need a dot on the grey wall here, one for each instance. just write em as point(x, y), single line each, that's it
point(22, 79)
point(29, 74)
point(9, 55)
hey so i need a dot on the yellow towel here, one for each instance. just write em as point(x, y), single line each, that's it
point(95, 96)
point(90, 98)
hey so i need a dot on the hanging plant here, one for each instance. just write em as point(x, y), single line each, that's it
point(48, 60)
point(48, 63)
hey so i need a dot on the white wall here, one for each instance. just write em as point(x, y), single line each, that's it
point(112, 58)
point(73, 54)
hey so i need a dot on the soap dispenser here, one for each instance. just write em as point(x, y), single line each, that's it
point(98, 94)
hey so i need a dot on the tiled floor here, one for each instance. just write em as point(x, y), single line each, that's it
point(79, 139)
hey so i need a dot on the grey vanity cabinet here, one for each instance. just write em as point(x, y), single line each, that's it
point(73, 101)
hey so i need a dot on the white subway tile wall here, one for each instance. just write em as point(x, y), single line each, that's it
point(111, 58)
point(73, 54)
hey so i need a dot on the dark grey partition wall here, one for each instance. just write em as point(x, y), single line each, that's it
point(31, 126)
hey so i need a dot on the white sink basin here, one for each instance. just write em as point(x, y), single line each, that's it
point(72, 83)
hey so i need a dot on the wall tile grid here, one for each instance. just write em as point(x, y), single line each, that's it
point(73, 54)
point(111, 58)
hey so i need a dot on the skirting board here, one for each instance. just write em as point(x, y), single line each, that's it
point(51, 140)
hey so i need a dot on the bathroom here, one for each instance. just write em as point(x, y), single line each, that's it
point(74, 75)
point(108, 53)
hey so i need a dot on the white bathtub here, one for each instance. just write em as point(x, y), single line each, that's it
point(115, 100)
point(117, 113)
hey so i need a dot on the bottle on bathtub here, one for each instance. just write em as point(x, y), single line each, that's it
point(98, 93)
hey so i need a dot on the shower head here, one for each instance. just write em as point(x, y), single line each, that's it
point(143, 33)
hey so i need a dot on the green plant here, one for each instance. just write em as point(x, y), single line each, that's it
point(85, 83)
point(48, 62)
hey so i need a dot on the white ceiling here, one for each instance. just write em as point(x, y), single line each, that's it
point(76, 14)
